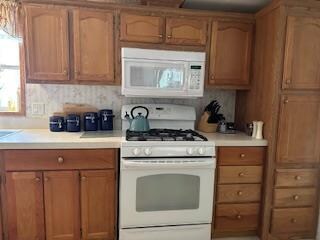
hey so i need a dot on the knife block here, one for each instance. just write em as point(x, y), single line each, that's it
point(204, 126)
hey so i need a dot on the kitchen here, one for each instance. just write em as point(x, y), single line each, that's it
point(165, 83)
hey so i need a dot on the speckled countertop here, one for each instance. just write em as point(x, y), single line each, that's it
point(44, 139)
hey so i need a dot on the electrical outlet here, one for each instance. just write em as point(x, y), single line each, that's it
point(38, 109)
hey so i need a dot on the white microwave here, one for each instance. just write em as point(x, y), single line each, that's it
point(162, 73)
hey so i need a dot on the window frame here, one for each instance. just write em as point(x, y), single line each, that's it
point(22, 104)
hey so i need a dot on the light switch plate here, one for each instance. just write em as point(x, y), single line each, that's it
point(38, 109)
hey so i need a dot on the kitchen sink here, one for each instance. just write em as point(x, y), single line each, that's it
point(4, 133)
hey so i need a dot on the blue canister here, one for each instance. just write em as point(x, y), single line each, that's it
point(90, 121)
point(106, 120)
point(73, 123)
point(56, 123)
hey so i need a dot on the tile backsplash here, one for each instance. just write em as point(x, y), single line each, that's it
point(54, 96)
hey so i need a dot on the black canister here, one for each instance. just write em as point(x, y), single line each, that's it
point(90, 120)
point(106, 120)
point(73, 123)
point(56, 123)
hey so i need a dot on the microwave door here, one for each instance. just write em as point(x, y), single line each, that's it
point(154, 78)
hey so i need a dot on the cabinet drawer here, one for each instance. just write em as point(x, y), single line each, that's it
point(25, 160)
point(292, 220)
point(237, 217)
point(294, 197)
point(296, 177)
point(234, 156)
point(239, 174)
point(239, 193)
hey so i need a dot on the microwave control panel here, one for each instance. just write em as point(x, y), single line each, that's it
point(195, 76)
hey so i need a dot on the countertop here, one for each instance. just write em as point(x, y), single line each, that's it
point(44, 139)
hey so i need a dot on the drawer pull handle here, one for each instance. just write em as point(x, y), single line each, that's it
point(242, 155)
point(296, 197)
point(240, 193)
point(239, 217)
point(37, 179)
point(60, 160)
point(293, 220)
point(297, 178)
point(241, 174)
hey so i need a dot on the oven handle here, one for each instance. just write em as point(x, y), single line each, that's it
point(127, 164)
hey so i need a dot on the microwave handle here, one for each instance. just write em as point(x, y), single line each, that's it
point(127, 164)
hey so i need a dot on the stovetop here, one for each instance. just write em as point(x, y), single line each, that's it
point(165, 135)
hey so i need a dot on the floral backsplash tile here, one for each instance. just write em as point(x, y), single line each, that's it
point(54, 96)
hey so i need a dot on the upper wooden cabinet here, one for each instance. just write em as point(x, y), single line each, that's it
point(24, 205)
point(186, 31)
point(93, 36)
point(299, 129)
point(230, 54)
point(141, 28)
point(152, 29)
point(302, 58)
point(46, 42)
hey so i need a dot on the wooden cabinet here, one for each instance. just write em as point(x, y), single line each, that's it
point(98, 204)
point(238, 192)
point(61, 200)
point(93, 42)
point(24, 206)
point(230, 54)
point(161, 29)
point(47, 46)
point(48, 42)
point(186, 31)
point(299, 129)
point(302, 58)
point(141, 28)
point(61, 203)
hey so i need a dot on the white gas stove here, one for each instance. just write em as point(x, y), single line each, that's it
point(166, 178)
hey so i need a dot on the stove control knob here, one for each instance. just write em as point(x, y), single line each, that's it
point(136, 151)
point(148, 151)
point(201, 151)
point(189, 151)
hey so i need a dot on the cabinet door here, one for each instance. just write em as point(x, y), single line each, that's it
point(98, 204)
point(230, 54)
point(93, 45)
point(25, 206)
point(302, 53)
point(139, 28)
point(61, 198)
point(299, 129)
point(184, 31)
point(47, 43)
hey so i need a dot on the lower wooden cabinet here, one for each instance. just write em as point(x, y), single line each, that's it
point(61, 204)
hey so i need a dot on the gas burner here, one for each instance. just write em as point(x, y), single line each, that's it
point(165, 135)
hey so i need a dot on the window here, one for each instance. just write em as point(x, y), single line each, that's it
point(11, 82)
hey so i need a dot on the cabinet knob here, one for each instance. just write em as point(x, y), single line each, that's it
point(76, 72)
point(297, 178)
point(46, 179)
point(239, 217)
point(83, 178)
point(286, 101)
point(212, 77)
point(240, 193)
point(241, 174)
point(296, 197)
point(37, 179)
point(65, 72)
point(160, 36)
point(60, 160)
point(293, 220)
point(169, 36)
point(288, 81)
point(242, 155)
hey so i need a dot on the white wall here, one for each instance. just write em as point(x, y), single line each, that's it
point(101, 97)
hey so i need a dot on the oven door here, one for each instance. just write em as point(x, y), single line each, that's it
point(164, 192)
